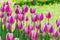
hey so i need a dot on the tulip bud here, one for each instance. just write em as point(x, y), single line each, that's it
point(21, 17)
point(34, 17)
point(1, 14)
point(48, 15)
point(55, 34)
point(32, 10)
point(38, 26)
point(9, 36)
point(30, 27)
point(26, 18)
point(25, 8)
point(57, 22)
point(18, 25)
point(17, 9)
point(33, 34)
point(40, 16)
point(8, 26)
point(16, 39)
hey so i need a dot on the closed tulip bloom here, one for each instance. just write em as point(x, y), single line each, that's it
point(17, 9)
point(11, 19)
point(8, 26)
point(41, 29)
point(9, 36)
point(25, 8)
point(1, 14)
point(26, 30)
point(57, 22)
point(38, 26)
point(26, 18)
point(21, 17)
point(0, 38)
point(16, 39)
point(48, 15)
point(18, 25)
point(33, 34)
point(40, 17)
point(7, 8)
point(16, 16)
point(55, 34)
point(59, 28)
point(2, 8)
point(30, 27)
point(34, 17)
point(32, 10)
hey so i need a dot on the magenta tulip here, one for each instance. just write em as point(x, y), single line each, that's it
point(9, 36)
point(8, 26)
point(18, 25)
point(55, 34)
point(30, 27)
point(48, 15)
point(32, 10)
point(59, 28)
point(1, 14)
point(17, 9)
point(24, 8)
point(21, 17)
point(33, 34)
point(16, 39)
point(34, 17)
point(38, 26)
point(40, 16)
point(57, 22)
point(26, 18)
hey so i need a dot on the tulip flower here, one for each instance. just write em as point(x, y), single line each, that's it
point(16, 39)
point(48, 15)
point(24, 8)
point(8, 26)
point(0, 38)
point(59, 28)
point(17, 9)
point(30, 27)
point(58, 22)
point(33, 34)
point(55, 34)
point(32, 10)
point(1, 14)
point(18, 25)
point(21, 17)
point(38, 26)
point(9, 36)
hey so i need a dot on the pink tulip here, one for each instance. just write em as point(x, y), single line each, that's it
point(7, 8)
point(48, 15)
point(16, 16)
point(1, 14)
point(41, 29)
point(16, 39)
point(55, 34)
point(34, 17)
point(2, 8)
point(40, 16)
point(18, 25)
point(8, 26)
point(38, 26)
point(33, 34)
point(9, 36)
point(26, 30)
point(59, 28)
point(17, 9)
point(0, 38)
point(57, 22)
point(21, 17)
point(26, 18)
point(24, 8)
point(32, 10)
point(30, 27)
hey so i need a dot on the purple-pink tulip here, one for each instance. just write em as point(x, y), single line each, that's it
point(30, 27)
point(24, 8)
point(40, 16)
point(57, 22)
point(38, 26)
point(9, 36)
point(34, 17)
point(16, 38)
point(8, 26)
point(17, 9)
point(33, 34)
point(48, 15)
point(55, 34)
point(32, 10)
point(26, 18)
point(18, 25)
point(1, 14)
point(21, 17)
